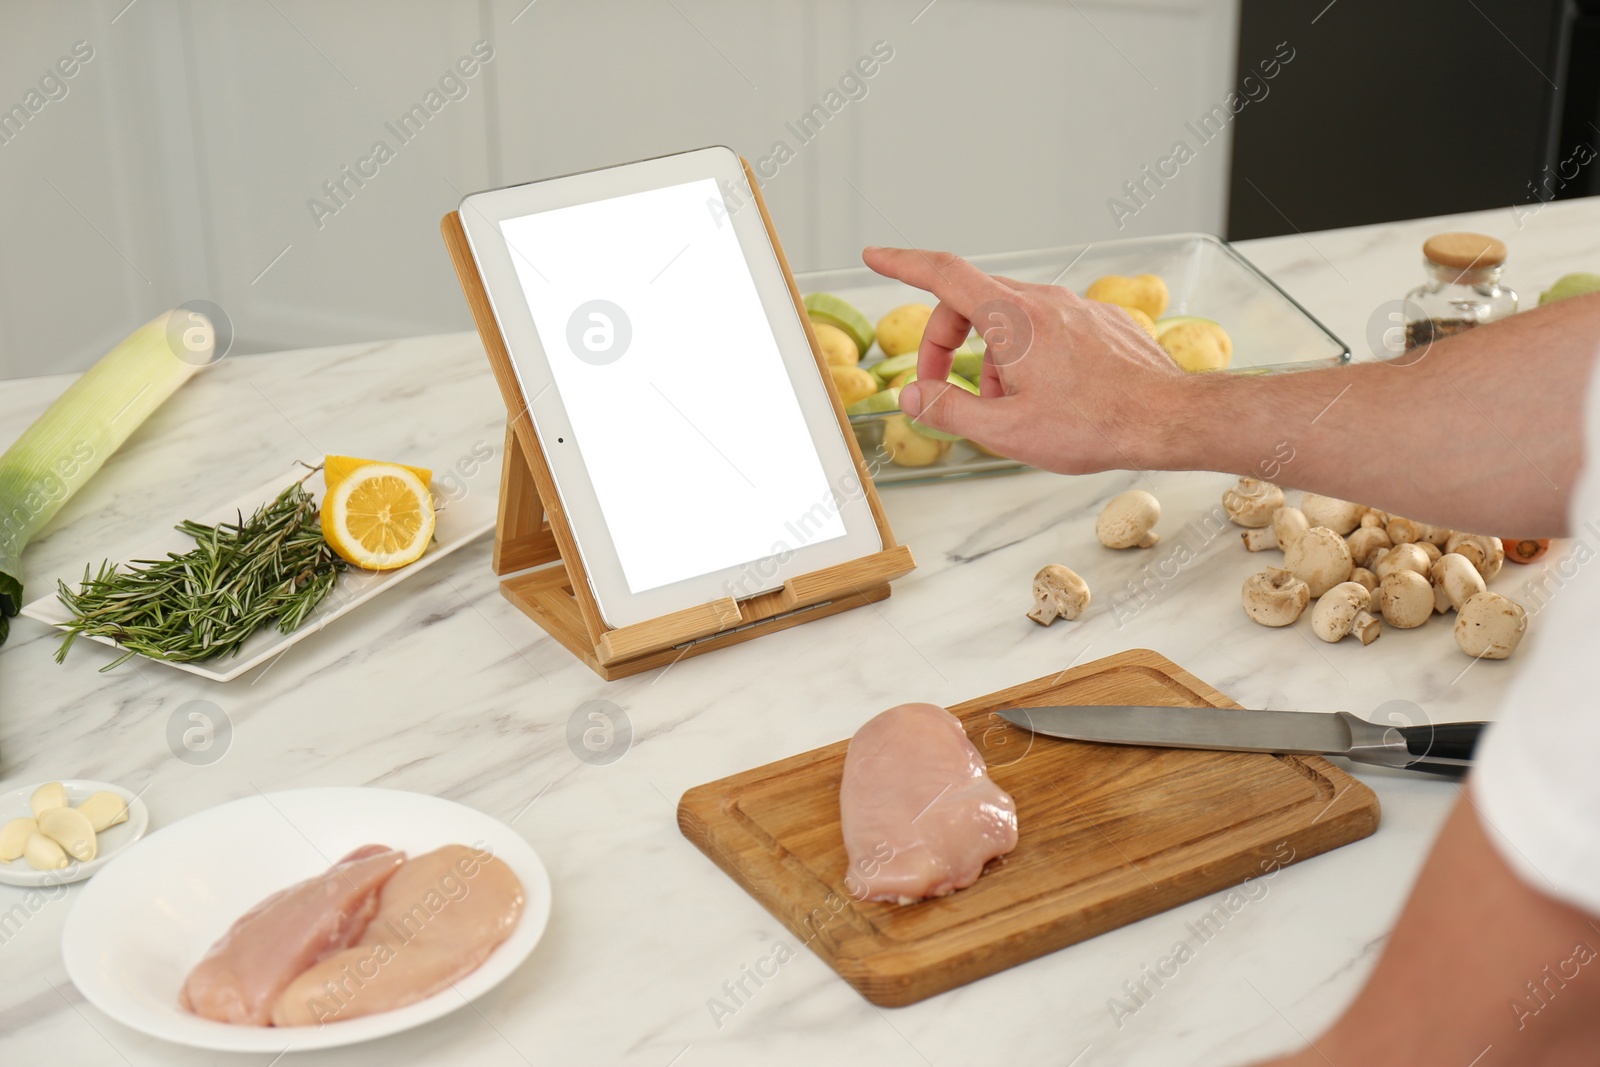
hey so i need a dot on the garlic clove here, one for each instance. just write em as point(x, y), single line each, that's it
point(43, 854)
point(104, 810)
point(47, 796)
point(71, 829)
point(14, 838)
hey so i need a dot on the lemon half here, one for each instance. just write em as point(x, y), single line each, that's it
point(336, 469)
point(378, 516)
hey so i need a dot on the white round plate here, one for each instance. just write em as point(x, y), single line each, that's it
point(137, 929)
point(109, 843)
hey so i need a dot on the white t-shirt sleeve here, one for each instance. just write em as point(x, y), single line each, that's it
point(1537, 780)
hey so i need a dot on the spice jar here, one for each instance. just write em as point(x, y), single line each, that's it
point(1463, 289)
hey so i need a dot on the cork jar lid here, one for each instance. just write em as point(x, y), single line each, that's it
point(1465, 251)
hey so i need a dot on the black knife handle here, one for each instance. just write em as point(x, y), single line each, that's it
point(1442, 748)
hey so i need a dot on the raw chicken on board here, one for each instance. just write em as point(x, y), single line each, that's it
point(919, 813)
point(241, 977)
point(438, 918)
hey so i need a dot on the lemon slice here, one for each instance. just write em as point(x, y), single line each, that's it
point(378, 516)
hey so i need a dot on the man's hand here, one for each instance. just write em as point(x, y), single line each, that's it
point(1073, 386)
point(1069, 385)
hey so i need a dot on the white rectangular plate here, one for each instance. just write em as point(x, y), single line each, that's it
point(461, 521)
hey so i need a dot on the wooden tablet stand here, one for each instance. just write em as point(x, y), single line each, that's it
point(532, 529)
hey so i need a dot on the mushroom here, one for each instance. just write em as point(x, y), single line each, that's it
point(1433, 551)
point(1252, 502)
point(1455, 581)
point(1340, 516)
point(1405, 531)
point(1490, 626)
point(1259, 539)
point(1321, 559)
point(1126, 519)
point(1374, 517)
point(1366, 543)
point(1485, 553)
point(1403, 557)
point(1274, 597)
point(1343, 610)
point(1364, 578)
point(1288, 526)
point(1406, 599)
point(1058, 592)
point(1439, 536)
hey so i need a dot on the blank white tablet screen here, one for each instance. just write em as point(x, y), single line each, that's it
point(678, 399)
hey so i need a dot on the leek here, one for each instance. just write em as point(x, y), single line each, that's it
point(69, 442)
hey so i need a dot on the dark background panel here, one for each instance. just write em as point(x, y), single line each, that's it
point(1394, 110)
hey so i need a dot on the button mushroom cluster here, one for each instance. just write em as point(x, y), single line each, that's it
point(1364, 568)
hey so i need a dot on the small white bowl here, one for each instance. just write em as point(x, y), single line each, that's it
point(109, 843)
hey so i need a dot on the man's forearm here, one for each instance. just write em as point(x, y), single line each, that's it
point(1484, 432)
point(1472, 973)
point(1481, 432)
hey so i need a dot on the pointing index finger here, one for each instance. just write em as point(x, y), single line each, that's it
point(952, 279)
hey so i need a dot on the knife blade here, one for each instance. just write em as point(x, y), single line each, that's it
point(1442, 748)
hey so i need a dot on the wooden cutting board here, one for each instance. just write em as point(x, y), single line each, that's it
point(1109, 834)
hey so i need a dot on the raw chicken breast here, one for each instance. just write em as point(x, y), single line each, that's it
point(240, 978)
point(919, 813)
point(438, 918)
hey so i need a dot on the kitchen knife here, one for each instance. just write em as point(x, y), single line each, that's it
point(1444, 748)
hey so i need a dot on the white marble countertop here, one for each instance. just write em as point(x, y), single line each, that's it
point(442, 687)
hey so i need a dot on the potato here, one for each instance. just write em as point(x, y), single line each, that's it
point(1146, 323)
point(853, 383)
point(900, 331)
point(909, 448)
point(837, 347)
point(1195, 344)
point(1146, 292)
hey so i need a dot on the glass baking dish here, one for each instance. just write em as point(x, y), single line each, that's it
point(1205, 276)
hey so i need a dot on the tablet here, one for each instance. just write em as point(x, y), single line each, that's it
point(670, 381)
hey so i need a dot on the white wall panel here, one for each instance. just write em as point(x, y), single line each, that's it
point(190, 145)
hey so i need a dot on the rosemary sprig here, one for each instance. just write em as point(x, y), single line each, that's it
point(208, 601)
